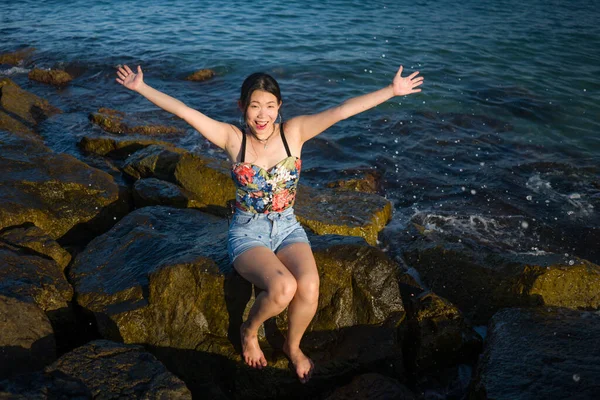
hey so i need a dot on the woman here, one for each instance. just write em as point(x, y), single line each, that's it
point(267, 245)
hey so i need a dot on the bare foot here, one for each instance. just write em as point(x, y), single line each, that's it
point(253, 355)
point(304, 366)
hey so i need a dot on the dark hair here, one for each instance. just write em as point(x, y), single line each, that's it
point(258, 81)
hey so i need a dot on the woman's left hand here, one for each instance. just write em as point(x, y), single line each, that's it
point(403, 86)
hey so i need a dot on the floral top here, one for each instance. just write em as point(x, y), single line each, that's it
point(263, 191)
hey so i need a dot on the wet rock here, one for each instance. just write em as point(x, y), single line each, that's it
point(56, 192)
point(27, 340)
point(155, 279)
point(33, 238)
point(201, 75)
point(51, 77)
point(482, 283)
point(44, 386)
point(38, 280)
point(207, 179)
point(372, 387)
point(440, 335)
point(367, 181)
point(21, 111)
point(340, 212)
point(16, 57)
point(115, 371)
point(118, 122)
point(119, 148)
point(540, 353)
point(153, 192)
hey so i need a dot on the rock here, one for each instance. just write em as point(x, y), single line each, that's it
point(366, 181)
point(116, 371)
point(372, 387)
point(440, 336)
point(201, 75)
point(154, 279)
point(119, 148)
point(118, 122)
point(33, 238)
point(481, 284)
point(207, 179)
point(51, 77)
point(27, 340)
point(540, 353)
point(21, 111)
point(340, 212)
point(56, 192)
point(16, 57)
point(44, 386)
point(153, 192)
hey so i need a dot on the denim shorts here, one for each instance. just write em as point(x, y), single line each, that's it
point(273, 230)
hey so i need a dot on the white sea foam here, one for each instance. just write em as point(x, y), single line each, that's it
point(14, 71)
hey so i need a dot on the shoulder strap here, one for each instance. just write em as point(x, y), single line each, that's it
point(243, 150)
point(287, 148)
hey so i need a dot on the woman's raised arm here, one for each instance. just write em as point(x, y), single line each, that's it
point(310, 126)
point(216, 132)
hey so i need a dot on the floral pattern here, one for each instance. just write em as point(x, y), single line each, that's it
point(263, 191)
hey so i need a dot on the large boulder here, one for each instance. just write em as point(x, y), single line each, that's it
point(201, 75)
point(27, 340)
point(56, 192)
point(158, 278)
point(540, 353)
point(116, 147)
point(21, 111)
point(156, 192)
point(99, 370)
point(36, 240)
point(36, 279)
point(118, 122)
point(481, 284)
point(343, 212)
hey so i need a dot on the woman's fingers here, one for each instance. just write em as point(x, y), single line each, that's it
point(127, 69)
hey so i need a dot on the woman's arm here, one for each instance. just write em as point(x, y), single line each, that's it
point(310, 126)
point(216, 132)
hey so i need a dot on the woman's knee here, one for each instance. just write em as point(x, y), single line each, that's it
point(282, 291)
point(308, 288)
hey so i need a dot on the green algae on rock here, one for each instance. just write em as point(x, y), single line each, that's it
point(366, 181)
point(56, 192)
point(201, 75)
point(119, 148)
point(33, 238)
point(21, 111)
point(118, 122)
point(51, 77)
point(340, 212)
point(16, 57)
point(27, 340)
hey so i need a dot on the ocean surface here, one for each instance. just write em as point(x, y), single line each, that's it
point(502, 146)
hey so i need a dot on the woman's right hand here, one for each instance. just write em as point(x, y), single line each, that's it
point(128, 78)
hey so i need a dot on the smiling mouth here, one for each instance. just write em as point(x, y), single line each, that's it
point(261, 126)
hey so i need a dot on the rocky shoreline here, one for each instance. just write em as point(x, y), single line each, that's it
point(115, 283)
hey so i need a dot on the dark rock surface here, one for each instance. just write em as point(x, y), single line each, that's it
point(56, 192)
point(26, 339)
point(118, 122)
point(540, 353)
point(201, 75)
point(373, 387)
point(21, 111)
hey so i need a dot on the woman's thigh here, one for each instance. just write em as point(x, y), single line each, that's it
point(299, 260)
point(261, 267)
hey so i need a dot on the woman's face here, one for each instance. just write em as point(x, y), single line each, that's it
point(262, 112)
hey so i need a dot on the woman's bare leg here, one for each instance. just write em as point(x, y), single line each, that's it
point(299, 260)
point(264, 270)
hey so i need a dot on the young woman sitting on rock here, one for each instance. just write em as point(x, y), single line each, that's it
point(266, 244)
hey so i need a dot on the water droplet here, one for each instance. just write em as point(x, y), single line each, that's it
point(473, 191)
point(524, 225)
point(529, 198)
point(576, 377)
point(571, 262)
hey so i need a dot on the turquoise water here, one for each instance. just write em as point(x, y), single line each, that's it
point(505, 131)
